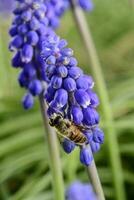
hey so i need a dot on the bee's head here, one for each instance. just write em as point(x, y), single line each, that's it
point(55, 119)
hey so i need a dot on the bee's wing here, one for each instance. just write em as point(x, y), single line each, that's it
point(60, 136)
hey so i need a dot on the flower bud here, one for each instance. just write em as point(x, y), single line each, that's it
point(68, 145)
point(69, 84)
point(62, 71)
point(16, 60)
point(91, 117)
point(28, 101)
point(61, 98)
point(98, 135)
point(73, 62)
point(86, 156)
point(49, 95)
point(82, 98)
point(32, 38)
point(26, 15)
point(82, 83)
point(27, 53)
point(76, 115)
point(95, 146)
point(34, 24)
point(67, 52)
point(75, 72)
point(93, 98)
point(50, 70)
point(16, 43)
point(56, 82)
point(51, 60)
point(23, 29)
point(35, 87)
point(13, 31)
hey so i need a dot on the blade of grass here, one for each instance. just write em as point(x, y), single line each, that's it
point(112, 142)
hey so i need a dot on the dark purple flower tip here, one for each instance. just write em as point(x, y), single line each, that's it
point(62, 71)
point(73, 62)
point(16, 43)
point(89, 135)
point(28, 101)
point(23, 80)
point(34, 23)
point(56, 82)
point(75, 72)
point(69, 84)
point(61, 98)
point(32, 38)
point(76, 115)
point(51, 60)
point(86, 4)
point(86, 156)
point(16, 60)
point(95, 146)
point(49, 95)
point(91, 117)
point(50, 70)
point(35, 87)
point(26, 15)
point(67, 52)
point(13, 31)
point(27, 53)
point(82, 83)
point(93, 98)
point(98, 135)
point(17, 20)
point(23, 29)
point(82, 98)
point(68, 145)
point(63, 43)
point(29, 70)
point(90, 81)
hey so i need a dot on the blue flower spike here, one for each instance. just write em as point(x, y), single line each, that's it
point(70, 94)
point(49, 67)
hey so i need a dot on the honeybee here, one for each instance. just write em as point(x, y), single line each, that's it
point(67, 129)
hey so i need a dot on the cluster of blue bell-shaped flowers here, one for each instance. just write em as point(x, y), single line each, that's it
point(70, 93)
point(80, 191)
point(33, 20)
point(29, 25)
point(43, 58)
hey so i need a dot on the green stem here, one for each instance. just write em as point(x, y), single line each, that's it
point(111, 137)
point(93, 175)
point(54, 156)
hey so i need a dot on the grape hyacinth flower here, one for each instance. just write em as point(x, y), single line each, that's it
point(70, 94)
point(32, 22)
point(80, 191)
point(28, 26)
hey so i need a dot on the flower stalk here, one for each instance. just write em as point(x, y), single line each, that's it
point(93, 175)
point(111, 136)
point(54, 157)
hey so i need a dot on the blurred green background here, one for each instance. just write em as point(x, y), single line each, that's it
point(24, 161)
